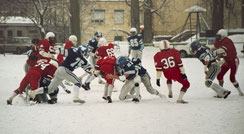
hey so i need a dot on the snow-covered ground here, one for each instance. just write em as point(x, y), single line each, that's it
point(153, 115)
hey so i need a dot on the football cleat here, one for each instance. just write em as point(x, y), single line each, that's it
point(170, 95)
point(181, 101)
point(109, 99)
point(67, 91)
point(86, 86)
point(105, 98)
point(78, 100)
point(226, 94)
point(136, 100)
point(9, 102)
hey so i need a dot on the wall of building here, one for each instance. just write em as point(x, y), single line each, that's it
point(89, 28)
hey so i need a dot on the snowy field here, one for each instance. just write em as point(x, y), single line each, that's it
point(153, 115)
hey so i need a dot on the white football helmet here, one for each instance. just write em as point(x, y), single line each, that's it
point(49, 35)
point(133, 31)
point(222, 32)
point(73, 39)
point(102, 42)
point(164, 44)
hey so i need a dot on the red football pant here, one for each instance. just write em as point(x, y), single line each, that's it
point(231, 65)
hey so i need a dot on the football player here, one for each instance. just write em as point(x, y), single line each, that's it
point(211, 66)
point(145, 78)
point(46, 48)
point(32, 55)
point(128, 74)
point(33, 76)
point(72, 42)
point(169, 62)
point(74, 59)
point(135, 44)
point(231, 59)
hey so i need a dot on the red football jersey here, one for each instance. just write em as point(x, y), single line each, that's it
point(68, 44)
point(35, 73)
point(45, 68)
point(169, 62)
point(45, 46)
point(107, 65)
point(229, 47)
point(104, 51)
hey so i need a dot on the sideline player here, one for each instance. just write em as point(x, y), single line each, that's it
point(135, 44)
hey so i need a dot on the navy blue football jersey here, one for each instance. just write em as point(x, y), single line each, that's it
point(93, 45)
point(135, 42)
point(74, 60)
point(204, 51)
point(128, 68)
point(140, 69)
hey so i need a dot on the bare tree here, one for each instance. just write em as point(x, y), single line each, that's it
point(218, 15)
point(242, 18)
point(75, 18)
point(149, 10)
point(38, 11)
point(135, 13)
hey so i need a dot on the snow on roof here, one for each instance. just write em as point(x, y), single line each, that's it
point(15, 19)
point(195, 9)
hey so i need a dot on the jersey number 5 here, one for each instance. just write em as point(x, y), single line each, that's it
point(169, 62)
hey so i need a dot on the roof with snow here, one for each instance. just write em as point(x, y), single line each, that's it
point(195, 9)
point(15, 19)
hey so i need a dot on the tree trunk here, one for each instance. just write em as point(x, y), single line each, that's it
point(218, 15)
point(242, 18)
point(135, 11)
point(75, 18)
point(148, 35)
point(42, 27)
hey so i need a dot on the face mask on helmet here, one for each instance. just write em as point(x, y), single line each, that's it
point(50, 36)
point(98, 35)
point(195, 45)
point(221, 34)
point(83, 49)
point(133, 31)
point(121, 61)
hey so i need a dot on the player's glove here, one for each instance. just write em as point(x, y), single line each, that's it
point(158, 82)
point(184, 76)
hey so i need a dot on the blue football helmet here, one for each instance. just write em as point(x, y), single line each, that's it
point(98, 34)
point(83, 49)
point(121, 61)
point(195, 45)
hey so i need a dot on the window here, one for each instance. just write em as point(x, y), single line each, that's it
point(98, 16)
point(33, 31)
point(10, 33)
point(118, 16)
point(19, 33)
point(1, 33)
point(118, 38)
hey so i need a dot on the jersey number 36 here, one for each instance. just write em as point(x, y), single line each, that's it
point(168, 63)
